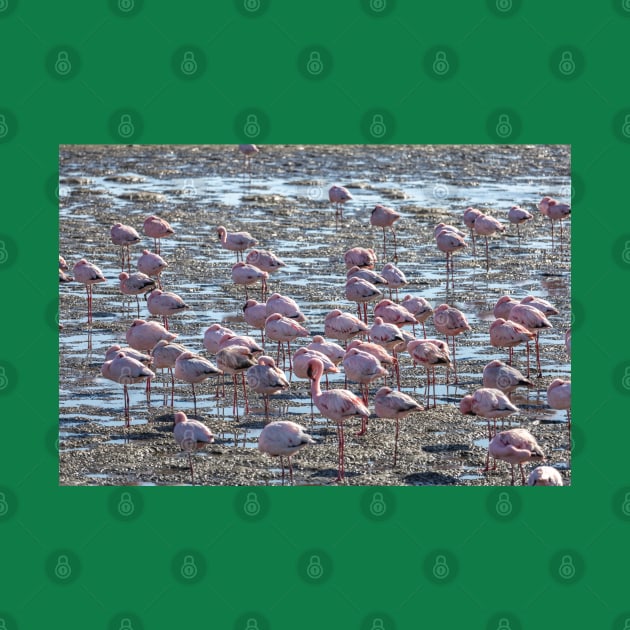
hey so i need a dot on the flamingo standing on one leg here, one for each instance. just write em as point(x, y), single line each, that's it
point(554, 211)
point(515, 446)
point(330, 349)
point(266, 378)
point(507, 334)
point(470, 214)
point(286, 306)
point(503, 307)
point(214, 335)
point(361, 291)
point(157, 228)
point(487, 403)
point(430, 352)
point(255, 314)
point(517, 216)
point(136, 284)
point(152, 265)
point(559, 396)
point(449, 243)
point(88, 274)
point(394, 405)
point(236, 241)
point(545, 476)
point(336, 405)
point(450, 322)
point(389, 336)
point(283, 438)
point(193, 369)
point(282, 329)
point(504, 377)
point(165, 355)
point(338, 195)
point(395, 278)
point(420, 309)
point(265, 261)
point(485, 225)
point(384, 217)
point(165, 304)
point(533, 319)
point(235, 360)
point(247, 275)
point(248, 150)
point(125, 236)
point(191, 435)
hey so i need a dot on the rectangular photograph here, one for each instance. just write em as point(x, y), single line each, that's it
point(373, 315)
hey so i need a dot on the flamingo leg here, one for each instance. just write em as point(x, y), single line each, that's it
point(487, 256)
point(194, 397)
point(340, 466)
point(290, 470)
point(538, 356)
point(395, 252)
point(396, 442)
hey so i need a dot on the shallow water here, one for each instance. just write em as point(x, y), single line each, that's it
point(284, 205)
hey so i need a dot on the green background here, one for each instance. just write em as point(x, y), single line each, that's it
point(124, 567)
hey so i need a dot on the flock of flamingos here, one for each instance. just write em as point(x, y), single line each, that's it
point(368, 351)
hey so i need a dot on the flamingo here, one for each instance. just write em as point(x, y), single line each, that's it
point(330, 349)
point(517, 216)
point(235, 360)
point(255, 314)
point(485, 225)
point(279, 328)
point(125, 236)
point(343, 326)
point(165, 304)
point(545, 476)
point(507, 334)
point(374, 349)
point(113, 351)
point(136, 284)
point(360, 257)
point(365, 274)
point(336, 405)
point(449, 243)
point(266, 378)
point(152, 265)
point(247, 275)
point(394, 405)
point(230, 339)
point(157, 228)
point(420, 309)
point(285, 306)
point(338, 195)
point(384, 217)
point(554, 211)
point(126, 370)
point(515, 446)
point(503, 377)
point(236, 241)
point(534, 321)
point(302, 356)
point(363, 368)
point(143, 335)
point(64, 277)
point(392, 313)
point(487, 403)
point(543, 306)
point(450, 322)
point(164, 355)
point(389, 336)
point(361, 291)
point(395, 278)
point(429, 352)
point(248, 150)
point(503, 307)
point(283, 438)
point(559, 396)
point(191, 435)
point(88, 274)
point(470, 214)
point(193, 369)
point(63, 265)
point(265, 261)
point(213, 335)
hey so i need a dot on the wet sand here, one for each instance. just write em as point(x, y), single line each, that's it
point(284, 205)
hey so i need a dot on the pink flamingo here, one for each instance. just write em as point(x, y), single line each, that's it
point(360, 257)
point(384, 217)
point(279, 328)
point(285, 306)
point(450, 322)
point(361, 291)
point(152, 265)
point(283, 438)
point(517, 216)
point(157, 228)
point(235, 360)
point(63, 265)
point(365, 274)
point(230, 339)
point(328, 348)
point(363, 368)
point(420, 309)
point(559, 396)
point(248, 150)
point(213, 336)
point(265, 261)
point(191, 435)
point(543, 306)
point(247, 275)
point(554, 211)
point(126, 370)
point(255, 314)
point(113, 351)
point(63, 277)
point(136, 284)
point(165, 304)
point(503, 307)
point(449, 243)
point(429, 352)
point(343, 326)
point(165, 355)
point(192, 369)
point(389, 336)
point(395, 278)
point(545, 476)
point(507, 334)
point(394, 405)
point(485, 226)
point(392, 313)
point(125, 236)
point(301, 358)
point(384, 358)
point(503, 377)
point(515, 446)
point(266, 378)
point(534, 321)
point(488, 403)
point(236, 241)
point(143, 335)
point(338, 195)
point(336, 405)
point(88, 274)
point(470, 214)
